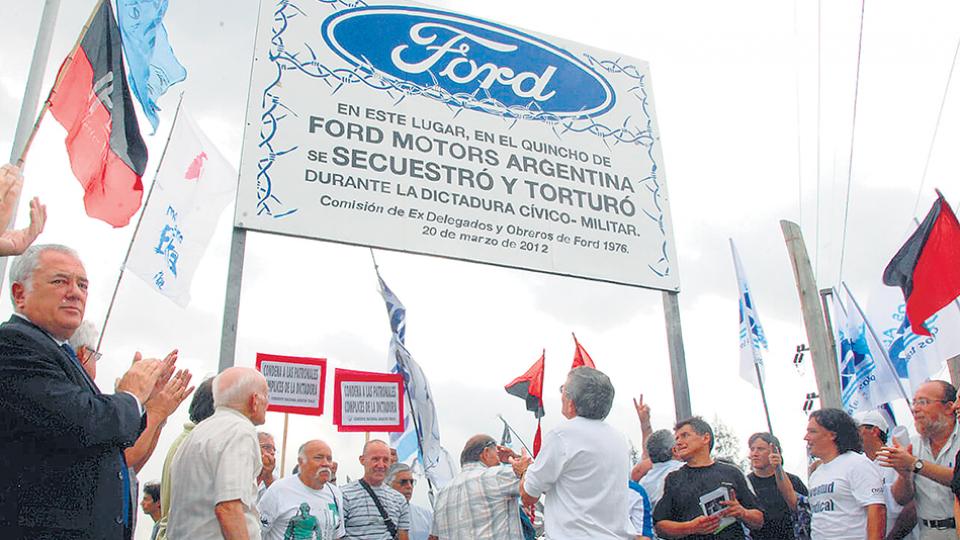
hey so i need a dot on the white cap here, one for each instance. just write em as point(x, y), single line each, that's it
point(871, 418)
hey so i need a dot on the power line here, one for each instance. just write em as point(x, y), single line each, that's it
point(796, 81)
point(936, 129)
point(853, 132)
point(816, 249)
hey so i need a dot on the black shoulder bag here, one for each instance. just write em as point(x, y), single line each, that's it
point(391, 528)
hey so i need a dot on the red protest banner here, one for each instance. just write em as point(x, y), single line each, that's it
point(296, 383)
point(367, 401)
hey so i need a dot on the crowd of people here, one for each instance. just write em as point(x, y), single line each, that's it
point(70, 455)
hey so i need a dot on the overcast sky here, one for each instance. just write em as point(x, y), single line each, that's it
point(737, 97)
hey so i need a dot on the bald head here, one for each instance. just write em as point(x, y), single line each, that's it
point(244, 390)
point(475, 447)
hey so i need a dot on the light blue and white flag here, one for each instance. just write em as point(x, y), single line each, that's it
point(420, 412)
point(867, 377)
point(395, 311)
point(752, 338)
point(152, 65)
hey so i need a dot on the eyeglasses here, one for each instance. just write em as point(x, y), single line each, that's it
point(91, 355)
point(923, 402)
point(405, 481)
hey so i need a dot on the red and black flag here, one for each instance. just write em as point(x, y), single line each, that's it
point(92, 101)
point(927, 267)
point(529, 387)
point(580, 356)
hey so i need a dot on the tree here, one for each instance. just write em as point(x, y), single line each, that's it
point(727, 445)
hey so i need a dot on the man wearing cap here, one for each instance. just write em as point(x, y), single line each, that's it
point(874, 430)
point(925, 467)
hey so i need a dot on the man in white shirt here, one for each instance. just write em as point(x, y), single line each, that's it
point(400, 477)
point(582, 465)
point(846, 491)
point(874, 430)
point(213, 474)
point(925, 468)
point(306, 505)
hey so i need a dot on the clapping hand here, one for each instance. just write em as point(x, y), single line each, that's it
point(173, 393)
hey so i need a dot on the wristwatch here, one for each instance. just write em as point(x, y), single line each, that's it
point(917, 466)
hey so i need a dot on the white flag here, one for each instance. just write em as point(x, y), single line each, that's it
point(867, 377)
point(752, 338)
point(194, 184)
point(916, 358)
point(436, 461)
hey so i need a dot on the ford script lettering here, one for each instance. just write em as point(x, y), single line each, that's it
point(474, 61)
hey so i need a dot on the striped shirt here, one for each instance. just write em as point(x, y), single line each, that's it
point(361, 517)
point(480, 503)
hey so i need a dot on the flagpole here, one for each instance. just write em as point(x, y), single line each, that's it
point(416, 422)
point(883, 350)
point(143, 210)
point(63, 69)
point(745, 322)
point(517, 435)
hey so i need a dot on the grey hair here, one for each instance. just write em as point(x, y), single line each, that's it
point(474, 447)
point(396, 469)
point(591, 392)
point(25, 264)
point(85, 336)
point(236, 396)
point(660, 446)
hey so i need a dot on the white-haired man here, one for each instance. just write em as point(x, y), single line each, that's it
point(582, 466)
point(213, 475)
point(304, 505)
point(55, 420)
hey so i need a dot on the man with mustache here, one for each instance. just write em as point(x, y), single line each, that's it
point(306, 506)
point(925, 467)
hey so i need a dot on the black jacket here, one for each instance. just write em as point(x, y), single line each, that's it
point(61, 440)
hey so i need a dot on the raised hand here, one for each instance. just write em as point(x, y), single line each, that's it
point(141, 378)
point(16, 241)
point(168, 399)
point(169, 366)
point(643, 411)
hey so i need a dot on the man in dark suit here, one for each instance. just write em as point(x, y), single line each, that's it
point(62, 473)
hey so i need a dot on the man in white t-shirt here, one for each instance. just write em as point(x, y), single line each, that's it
point(582, 466)
point(874, 430)
point(305, 506)
point(846, 490)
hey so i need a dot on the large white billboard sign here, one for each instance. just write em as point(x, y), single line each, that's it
point(414, 129)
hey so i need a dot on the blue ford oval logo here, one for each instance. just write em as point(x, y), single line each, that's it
point(475, 61)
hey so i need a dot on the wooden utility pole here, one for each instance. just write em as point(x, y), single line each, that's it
point(824, 359)
point(953, 364)
point(678, 362)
